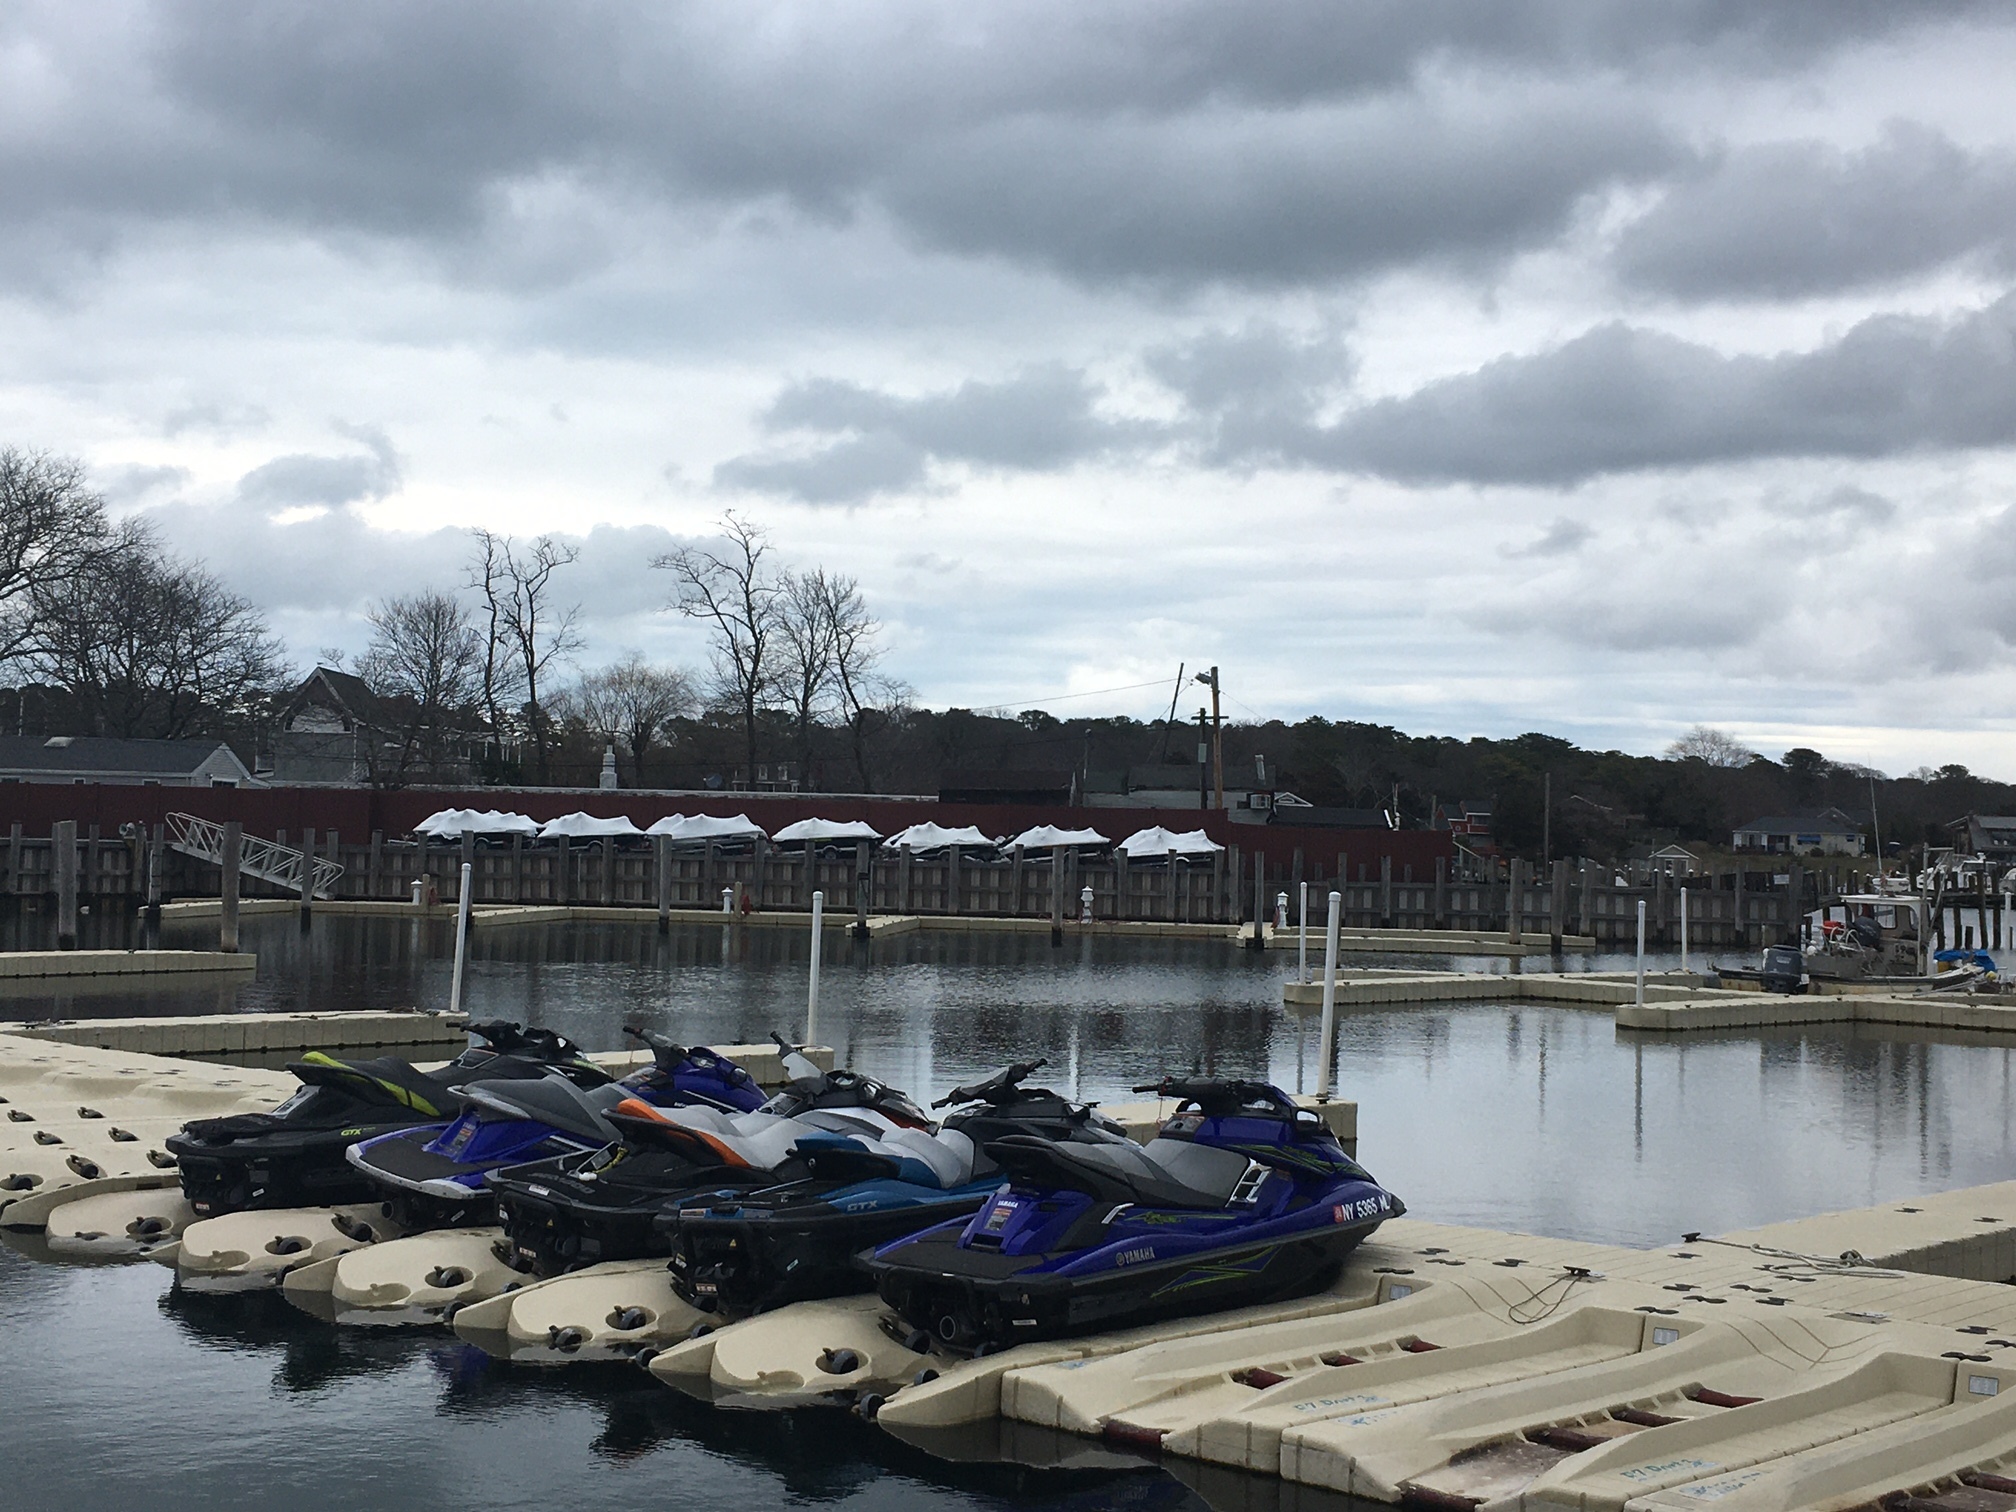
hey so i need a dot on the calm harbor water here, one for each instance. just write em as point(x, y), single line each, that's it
point(119, 1391)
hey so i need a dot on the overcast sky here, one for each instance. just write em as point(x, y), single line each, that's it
point(1476, 366)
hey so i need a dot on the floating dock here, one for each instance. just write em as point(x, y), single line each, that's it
point(1841, 1361)
point(35, 965)
point(1675, 1002)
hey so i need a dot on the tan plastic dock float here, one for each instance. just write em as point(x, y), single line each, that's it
point(17, 965)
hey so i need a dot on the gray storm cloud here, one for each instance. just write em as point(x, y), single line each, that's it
point(1310, 314)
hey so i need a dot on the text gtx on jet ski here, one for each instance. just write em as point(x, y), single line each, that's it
point(1240, 1198)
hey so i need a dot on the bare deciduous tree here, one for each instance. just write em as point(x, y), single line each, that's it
point(501, 680)
point(631, 703)
point(865, 693)
point(146, 645)
point(52, 531)
point(1712, 746)
point(739, 596)
point(527, 629)
point(425, 663)
point(805, 660)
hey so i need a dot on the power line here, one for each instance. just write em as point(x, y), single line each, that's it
point(1029, 703)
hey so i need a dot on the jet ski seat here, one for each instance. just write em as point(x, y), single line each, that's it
point(1167, 1173)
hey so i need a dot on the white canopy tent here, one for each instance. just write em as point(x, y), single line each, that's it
point(452, 824)
point(1157, 841)
point(1049, 837)
point(579, 826)
point(929, 837)
point(821, 831)
point(700, 828)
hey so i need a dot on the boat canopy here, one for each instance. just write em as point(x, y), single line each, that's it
point(818, 831)
point(1049, 837)
point(1157, 841)
point(453, 823)
point(700, 828)
point(929, 837)
point(579, 826)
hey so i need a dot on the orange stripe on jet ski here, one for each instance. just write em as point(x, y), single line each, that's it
point(632, 1107)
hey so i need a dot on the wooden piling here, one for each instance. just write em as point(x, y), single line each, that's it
point(154, 860)
point(227, 891)
point(63, 873)
point(661, 848)
point(1441, 892)
point(864, 883)
point(1386, 892)
point(1056, 896)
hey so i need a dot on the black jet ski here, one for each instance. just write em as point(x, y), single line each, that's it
point(747, 1252)
point(561, 1214)
point(1241, 1198)
point(293, 1156)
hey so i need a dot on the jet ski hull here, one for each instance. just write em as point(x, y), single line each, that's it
point(555, 1221)
point(741, 1258)
point(427, 1188)
point(291, 1169)
point(968, 1298)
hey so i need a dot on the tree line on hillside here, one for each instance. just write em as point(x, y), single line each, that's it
point(105, 632)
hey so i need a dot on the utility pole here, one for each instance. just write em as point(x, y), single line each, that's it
point(1217, 740)
point(1203, 762)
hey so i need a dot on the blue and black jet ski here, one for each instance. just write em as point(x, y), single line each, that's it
point(294, 1155)
point(1241, 1198)
point(741, 1252)
point(433, 1175)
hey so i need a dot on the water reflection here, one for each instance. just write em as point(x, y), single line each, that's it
point(1514, 1116)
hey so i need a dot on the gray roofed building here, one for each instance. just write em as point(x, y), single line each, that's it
point(1990, 835)
point(95, 758)
point(1827, 833)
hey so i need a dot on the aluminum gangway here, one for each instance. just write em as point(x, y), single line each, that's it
point(266, 859)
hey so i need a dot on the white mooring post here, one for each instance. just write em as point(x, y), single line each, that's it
point(1327, 1049)
point(812, 981)
point(1641, 953)
point(1302, 939)
point(1683, 925)
point(461, 940)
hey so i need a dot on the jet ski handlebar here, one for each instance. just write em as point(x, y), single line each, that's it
point(503, 1036)
point(1215, 1096)
point(1000, 1087)
point(661, 1045)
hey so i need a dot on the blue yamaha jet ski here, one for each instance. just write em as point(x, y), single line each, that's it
point(741, 1252)
point(433, 1176)
point(1240, 1198)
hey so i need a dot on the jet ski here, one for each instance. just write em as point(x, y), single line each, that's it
point(293, 1156)
point(433, 1175)
point(748, 1252)
point(561, 1214)
point(1240, 1198)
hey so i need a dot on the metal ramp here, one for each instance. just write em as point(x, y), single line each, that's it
point(265, 859)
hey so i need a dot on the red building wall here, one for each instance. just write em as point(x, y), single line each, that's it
point(355, 812)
